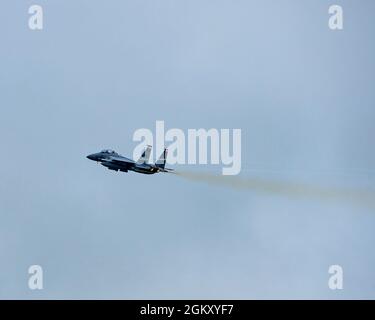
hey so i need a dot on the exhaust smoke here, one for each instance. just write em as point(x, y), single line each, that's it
point(364, 197)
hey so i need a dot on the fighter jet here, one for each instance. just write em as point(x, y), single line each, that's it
point(114, 161)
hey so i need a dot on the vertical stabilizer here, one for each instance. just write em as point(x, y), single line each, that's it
point(145, 155)
point(163, 158)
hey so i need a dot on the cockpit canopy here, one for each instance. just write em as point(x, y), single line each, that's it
point(109, 151)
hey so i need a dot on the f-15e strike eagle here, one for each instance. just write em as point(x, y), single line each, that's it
point(114, 161)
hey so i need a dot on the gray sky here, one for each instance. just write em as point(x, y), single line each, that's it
point(301, 93)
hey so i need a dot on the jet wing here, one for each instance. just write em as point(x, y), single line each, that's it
point(120, 160)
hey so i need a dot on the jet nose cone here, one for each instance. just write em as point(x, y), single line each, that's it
point(91, 157)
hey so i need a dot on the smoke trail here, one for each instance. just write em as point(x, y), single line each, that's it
point(293, 190)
